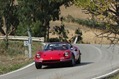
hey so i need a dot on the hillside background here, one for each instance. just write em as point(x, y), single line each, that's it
point(88, 34)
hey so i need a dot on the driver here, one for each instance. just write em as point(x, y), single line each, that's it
point(64, 47)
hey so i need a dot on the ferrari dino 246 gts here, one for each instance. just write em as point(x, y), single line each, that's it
point(57, 53)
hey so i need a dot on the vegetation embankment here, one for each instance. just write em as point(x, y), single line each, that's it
point(16, 56)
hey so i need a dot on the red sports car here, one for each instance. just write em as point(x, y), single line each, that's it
point(57, 53)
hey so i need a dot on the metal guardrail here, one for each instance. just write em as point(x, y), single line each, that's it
point(23, 38)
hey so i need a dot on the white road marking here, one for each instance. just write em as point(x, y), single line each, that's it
point(17, 70)
point(106, 75)
point(98, 50)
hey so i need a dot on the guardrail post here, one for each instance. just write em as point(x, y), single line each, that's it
point(29, 43)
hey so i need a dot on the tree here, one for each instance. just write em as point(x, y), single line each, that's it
point(78, 32)
point(8, 18)
point(29, 14)
point(43, 11)
point(104, 11)
point(61, 32)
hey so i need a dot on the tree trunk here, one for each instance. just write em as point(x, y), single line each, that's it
point(6, 33)
point(46, 35)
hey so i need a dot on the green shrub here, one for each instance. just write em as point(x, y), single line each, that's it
point(14, 48)
point(88, 22)
point(54, 40)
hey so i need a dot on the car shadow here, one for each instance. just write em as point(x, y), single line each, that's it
point(83, 63)
point(65, 66)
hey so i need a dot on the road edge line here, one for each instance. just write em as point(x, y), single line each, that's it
point(108, 74)
point(17, 70)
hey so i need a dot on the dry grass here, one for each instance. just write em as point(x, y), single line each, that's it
point(74, 11)
point(115, 77)
point(14, 57)
point(88, 34)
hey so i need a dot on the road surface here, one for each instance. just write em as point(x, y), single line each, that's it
point(96, 60)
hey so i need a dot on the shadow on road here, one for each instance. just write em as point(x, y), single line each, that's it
point(84, 63)
point(66, 66)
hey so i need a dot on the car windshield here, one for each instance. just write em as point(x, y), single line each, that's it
point(56, 47)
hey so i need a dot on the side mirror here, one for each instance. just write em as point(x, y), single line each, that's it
point(72, 48)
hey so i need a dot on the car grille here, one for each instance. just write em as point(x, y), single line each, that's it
point(45, 61)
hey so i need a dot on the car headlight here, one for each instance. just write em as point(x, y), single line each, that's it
point(38, 55)
point(66, 54)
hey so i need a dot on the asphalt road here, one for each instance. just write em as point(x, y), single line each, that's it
point(97, 60)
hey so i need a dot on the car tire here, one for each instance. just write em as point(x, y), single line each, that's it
point(72, 63)
point(38, 65)
point(79, 60)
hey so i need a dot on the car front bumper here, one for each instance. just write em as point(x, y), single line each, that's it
point(54, 62)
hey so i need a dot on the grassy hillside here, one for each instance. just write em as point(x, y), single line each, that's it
point(88, 34)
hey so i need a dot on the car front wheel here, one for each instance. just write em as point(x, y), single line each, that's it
point(79, 60)
point(38, 65)
point(72, 63)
